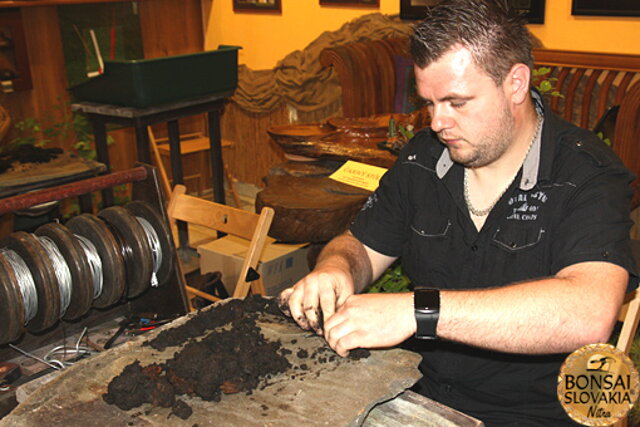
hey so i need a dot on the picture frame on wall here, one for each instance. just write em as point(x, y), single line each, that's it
point(268, 6)
point(415, 9)
point(605, 7)
point(357, 3)
point(532, 10)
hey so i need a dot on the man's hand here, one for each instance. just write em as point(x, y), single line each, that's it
point(345, 266)
point(317, 296)
point(371, 321)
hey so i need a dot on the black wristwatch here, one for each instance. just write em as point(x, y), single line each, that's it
point(426, 305)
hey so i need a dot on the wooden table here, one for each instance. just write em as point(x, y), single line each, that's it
point(335, 391)
point(102, 114)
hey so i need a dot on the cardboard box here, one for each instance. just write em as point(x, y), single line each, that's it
point(281, 265)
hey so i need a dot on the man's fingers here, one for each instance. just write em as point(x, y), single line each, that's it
point(295, 307)
point(343, 346)
point(328, 306)
point(328, 298)
point(283, 301)
point(310, 303)
point(314, 299)
point(314, 317)
point(339, 335)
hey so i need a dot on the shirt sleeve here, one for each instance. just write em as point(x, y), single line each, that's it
point(596, 221)
point(382, 222)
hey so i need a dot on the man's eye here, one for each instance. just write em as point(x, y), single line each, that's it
point(458, 104)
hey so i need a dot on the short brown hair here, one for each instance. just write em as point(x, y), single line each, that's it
point(494, 33)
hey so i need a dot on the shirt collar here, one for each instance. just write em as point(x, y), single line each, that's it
point(531, 164)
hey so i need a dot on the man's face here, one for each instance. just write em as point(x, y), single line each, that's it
point(470, 114)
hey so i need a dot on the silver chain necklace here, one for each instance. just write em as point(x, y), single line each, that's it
point(467, 197)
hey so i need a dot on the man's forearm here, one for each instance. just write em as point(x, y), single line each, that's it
point(347, 253)
point(543, 316)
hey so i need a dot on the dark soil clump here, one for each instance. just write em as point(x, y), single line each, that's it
point(359, 353)
point(211, 319)
point(223, 352)
point(229, 361)
point(181, 410)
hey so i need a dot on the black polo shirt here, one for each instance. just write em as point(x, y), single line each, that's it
point(568, 204)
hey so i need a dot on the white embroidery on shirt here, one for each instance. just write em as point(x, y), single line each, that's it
point(370, 201)
point(525, 206)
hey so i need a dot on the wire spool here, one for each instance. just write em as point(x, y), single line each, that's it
point(163, 236)
point(12, 314)
point(29, 248)
point(78, 264)
point(134, 247)
point(112, 265)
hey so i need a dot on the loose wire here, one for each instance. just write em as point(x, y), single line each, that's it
point(94, 262)
point(25, 283)
point(60, 349)
point(64, 350)
point(156, 249)
point(57, 365)
point(61, 270)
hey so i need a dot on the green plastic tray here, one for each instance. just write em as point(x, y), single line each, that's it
point(149, 82)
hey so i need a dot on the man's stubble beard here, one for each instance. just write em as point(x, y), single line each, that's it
point(490, 147)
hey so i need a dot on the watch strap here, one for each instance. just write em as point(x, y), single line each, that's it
point(427, 312)
point(426, 324)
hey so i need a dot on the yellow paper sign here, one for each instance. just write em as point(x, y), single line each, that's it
point(359, 175)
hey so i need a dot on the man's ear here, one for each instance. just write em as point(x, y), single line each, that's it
point(517, 83)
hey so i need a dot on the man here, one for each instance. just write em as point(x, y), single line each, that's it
point(514, 221)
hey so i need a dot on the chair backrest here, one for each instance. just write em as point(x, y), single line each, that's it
point(229, 220)
point(629, 316)
point(590, 82)
point(367, 74)
point(593, 86)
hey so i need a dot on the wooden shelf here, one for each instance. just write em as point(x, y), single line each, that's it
point(32, 3)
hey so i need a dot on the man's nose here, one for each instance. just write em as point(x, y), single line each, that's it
point(440, 119)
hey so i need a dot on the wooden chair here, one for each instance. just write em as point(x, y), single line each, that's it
point(629, 313)
point(367, 74)
point(191, 144)
point(593, 84)
point(229, 220)
point(629, 316)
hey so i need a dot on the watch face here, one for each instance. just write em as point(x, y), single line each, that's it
point(426, 299)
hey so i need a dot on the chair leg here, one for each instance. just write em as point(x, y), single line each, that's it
point(257, 287)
